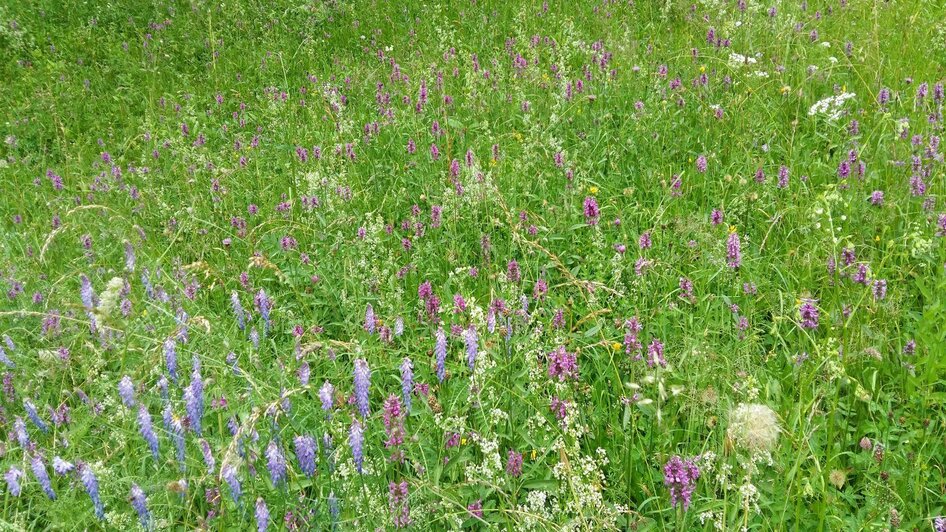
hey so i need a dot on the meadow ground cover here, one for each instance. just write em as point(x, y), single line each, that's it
point(470, 265)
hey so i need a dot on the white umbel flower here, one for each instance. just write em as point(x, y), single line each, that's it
point(753, 427)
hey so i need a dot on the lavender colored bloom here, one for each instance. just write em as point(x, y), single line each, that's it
point(238, 310)
point(126, 390)
point(440, 352)
point(19, 430)
point(177, 434)
point(356, 440)
point(808, 313)
point(147, 430)
point(733, 251)
point(305, 454)
point(264, 305)
point(62, 467)
point(369, 319)
point(398, 326)
point(879, 289)
point(229, 475)
point(326, 393)
point(5, 359)
point(262, 515)
point(34, 416)
point(13, 477)
point(362, 382)
point(333, 509)
point(883, 97)
point(163, 387)
point(42, 476)
point(91, 484)
point(680, 477)
point(208, 457)
point(877, 198)
point(194, 402)
point(472, 343)
point(328, 450)
point(86, 294)
point(276, 463)
point(170, 358)
point(140, 504)
point(407, 381)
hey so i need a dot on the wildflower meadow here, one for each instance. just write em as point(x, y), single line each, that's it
point(473, 265)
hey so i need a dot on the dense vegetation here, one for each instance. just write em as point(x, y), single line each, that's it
point(370, 265)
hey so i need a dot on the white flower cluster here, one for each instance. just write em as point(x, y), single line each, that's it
point(739, 60)
point(831, 107)
point(491, 467)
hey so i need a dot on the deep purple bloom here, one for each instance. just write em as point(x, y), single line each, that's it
point(655, 353)
point(398, 504)
point(808, 313)
point(592, 214)
point(716, 217)
point(680, 477)
point(644, 242)
point(562, 364)
point(880, 289)
point(733, 250)
point(512, 271)
point(514, 463)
